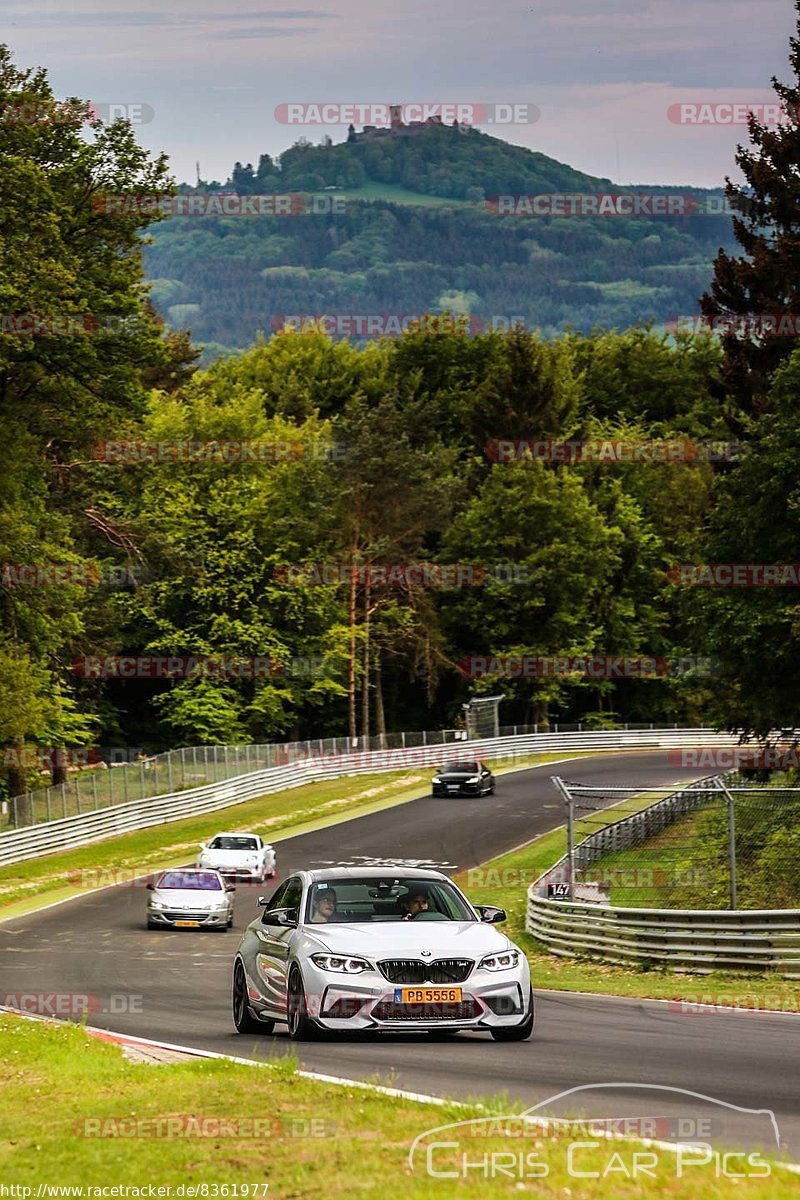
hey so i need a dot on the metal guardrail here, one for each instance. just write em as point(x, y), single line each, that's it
point(81, 829)
point(138, 776)
point(695, 940)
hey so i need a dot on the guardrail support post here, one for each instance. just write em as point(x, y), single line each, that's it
point(731, 840)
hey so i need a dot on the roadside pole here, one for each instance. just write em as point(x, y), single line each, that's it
point(565, 792)
point(731, 840)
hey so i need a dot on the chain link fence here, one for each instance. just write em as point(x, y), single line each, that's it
point(716, 844)
point(108, 783)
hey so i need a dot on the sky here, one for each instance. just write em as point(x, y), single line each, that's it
point(601, 75)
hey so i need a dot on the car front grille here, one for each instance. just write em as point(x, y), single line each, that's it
point(412, 970)
point(185, 916)
point(387, 1010)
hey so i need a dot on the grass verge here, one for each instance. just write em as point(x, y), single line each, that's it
point(78, 1114)
point(504, 881)
point(25, 886)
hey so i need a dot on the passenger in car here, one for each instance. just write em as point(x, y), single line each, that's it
point(323, 908)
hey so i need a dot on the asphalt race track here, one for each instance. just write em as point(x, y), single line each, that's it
point(179, 982)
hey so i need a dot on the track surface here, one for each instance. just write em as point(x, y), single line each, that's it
point(176, 984)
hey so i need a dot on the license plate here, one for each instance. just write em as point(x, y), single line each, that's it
point(187, 924)
point(453, 787)
point(427, 995)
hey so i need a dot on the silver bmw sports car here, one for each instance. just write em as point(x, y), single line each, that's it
point(379, 948)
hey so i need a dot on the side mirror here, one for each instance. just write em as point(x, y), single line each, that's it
point(490, 914)
point(285, 917)
point(230, 887)
point(202, 846)
point(151, 887)
point(262, 901)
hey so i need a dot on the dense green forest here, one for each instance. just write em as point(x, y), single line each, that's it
point(412, 231)
point(149, 508)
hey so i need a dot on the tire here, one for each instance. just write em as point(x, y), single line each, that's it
point(152, 925)
point(517, 1033)
point(243, 1019)
point(301, 1027)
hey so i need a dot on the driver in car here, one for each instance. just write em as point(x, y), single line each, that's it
point(414, 903)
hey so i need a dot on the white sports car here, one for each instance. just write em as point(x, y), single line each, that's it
point(241, 855)
point(379, 948)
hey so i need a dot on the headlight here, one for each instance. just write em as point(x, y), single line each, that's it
point(436, 779)
point(340, 964)
point(500, 962)
point(474, 779)
point(157, 904)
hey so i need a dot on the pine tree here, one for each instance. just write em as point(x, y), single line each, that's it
point(765, 281)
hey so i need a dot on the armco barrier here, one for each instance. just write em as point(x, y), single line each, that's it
point(50, 836)
point(694, 940)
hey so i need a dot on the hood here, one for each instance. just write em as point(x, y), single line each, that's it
point(407, 939)
point(187, 897)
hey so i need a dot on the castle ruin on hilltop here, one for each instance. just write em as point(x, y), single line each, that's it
point(396, 127)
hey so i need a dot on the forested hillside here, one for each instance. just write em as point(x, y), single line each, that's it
point(414, 233)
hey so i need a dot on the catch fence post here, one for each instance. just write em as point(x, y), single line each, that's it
point(731, 840)
point(565, 792)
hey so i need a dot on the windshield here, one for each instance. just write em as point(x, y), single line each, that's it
point(194, 881)
point(470, 768)
point(227, 842)
point(395, 898)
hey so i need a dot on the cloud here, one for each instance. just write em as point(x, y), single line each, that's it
point(145, 18)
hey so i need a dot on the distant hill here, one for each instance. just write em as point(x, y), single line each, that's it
point(416, 235)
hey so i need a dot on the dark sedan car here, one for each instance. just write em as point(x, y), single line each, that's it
point(463, 778)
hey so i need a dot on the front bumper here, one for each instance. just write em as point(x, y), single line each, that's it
point(368, 1002)
point(243, 874)
point(459, 789)
point(169, 918)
